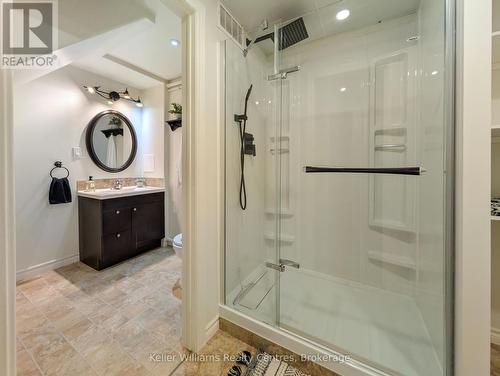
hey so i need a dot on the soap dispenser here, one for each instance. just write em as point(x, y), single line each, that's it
point(91, 184)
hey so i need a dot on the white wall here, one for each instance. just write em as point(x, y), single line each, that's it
point(173, 168)
point(153, 128)
point(50, 117)
point(472, 207)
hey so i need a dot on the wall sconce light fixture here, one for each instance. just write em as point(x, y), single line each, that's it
point(113, 96)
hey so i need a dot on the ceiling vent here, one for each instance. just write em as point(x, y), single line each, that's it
point(229, 25)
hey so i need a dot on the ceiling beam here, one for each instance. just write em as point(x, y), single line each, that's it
point(94, 46)
point(135, 68)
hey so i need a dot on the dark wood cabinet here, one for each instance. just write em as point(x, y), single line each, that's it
point(114, 230)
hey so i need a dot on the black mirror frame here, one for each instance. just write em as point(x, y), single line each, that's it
point(90, 147)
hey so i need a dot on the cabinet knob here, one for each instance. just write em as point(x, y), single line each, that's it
point(118, 235)
point(135, 209)
point(117, 212)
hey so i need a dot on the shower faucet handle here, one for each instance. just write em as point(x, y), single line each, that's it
point(281, 267)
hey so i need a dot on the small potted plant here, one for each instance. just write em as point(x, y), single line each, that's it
point(176, 111)
point(115, 122)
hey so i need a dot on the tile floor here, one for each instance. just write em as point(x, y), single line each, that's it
point(76, 321)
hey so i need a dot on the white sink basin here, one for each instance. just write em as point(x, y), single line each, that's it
point(107, 193)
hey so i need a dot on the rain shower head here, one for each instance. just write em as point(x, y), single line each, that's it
point(293, 33)
point(290, 34)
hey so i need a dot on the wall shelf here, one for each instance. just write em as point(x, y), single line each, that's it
point(174, 124)
point(283, 213)
point(404, 262)
point(284, 238)
point(495, 218)
point(112, 132)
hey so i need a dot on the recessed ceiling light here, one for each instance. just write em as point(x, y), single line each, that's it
point(342, 89)
point(343, 14)
point(434, 72)
point(174, 42)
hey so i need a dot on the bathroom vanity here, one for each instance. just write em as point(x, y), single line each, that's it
point(115, 225)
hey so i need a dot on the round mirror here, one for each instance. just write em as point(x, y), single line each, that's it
point(111, 141)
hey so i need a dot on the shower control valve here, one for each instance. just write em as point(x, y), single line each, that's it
point(248, 144)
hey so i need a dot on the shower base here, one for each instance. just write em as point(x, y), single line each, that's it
point(374, 326)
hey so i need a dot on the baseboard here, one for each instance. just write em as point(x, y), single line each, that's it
point(37, 270)
point(495, 336)
point(212, 328)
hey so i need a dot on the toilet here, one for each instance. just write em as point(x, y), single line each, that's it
point(177, 244)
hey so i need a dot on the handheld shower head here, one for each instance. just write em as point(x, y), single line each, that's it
point(249, 91)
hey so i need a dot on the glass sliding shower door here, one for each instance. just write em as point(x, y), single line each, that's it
point(343, 240)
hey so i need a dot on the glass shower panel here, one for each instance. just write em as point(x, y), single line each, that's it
point(251, 182)
point(364, 224)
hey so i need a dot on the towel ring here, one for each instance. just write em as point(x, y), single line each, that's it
point(57, 165)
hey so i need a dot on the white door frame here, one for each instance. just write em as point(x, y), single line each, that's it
point(192, 13)
point(193, 86)
point(7, 230)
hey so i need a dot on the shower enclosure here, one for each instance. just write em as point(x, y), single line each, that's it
point(344, 242)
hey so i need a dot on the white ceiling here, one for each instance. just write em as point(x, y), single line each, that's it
point(319, 15)
point(141, 61)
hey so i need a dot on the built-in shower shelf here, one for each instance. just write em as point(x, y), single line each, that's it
point(284, 238)
point(281, 138)
point(403, 261)
point(281, 213)
point(396, 130)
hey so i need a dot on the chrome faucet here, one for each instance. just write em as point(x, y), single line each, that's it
point(117, 184)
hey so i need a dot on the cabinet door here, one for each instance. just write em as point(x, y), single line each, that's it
point(116, 247)
point(148, 223)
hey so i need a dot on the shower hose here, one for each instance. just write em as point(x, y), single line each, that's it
point(243, 187)
point(242, 122)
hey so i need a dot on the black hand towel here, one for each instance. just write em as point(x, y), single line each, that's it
point(60, 191)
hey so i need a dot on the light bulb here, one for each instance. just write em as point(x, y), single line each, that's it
point(174, 42)
point(343, 14)
point(91, 90)
point(110, 102)
point(139, 104)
